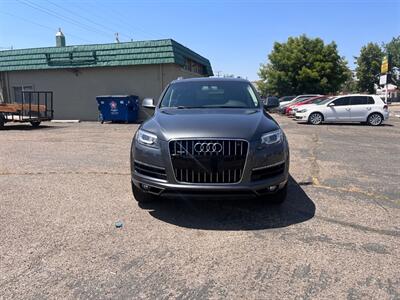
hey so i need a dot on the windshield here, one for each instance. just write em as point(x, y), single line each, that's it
point(303, 98)
point(286, 98)
point(323, 101)
point(210, 94)
point(316, 100)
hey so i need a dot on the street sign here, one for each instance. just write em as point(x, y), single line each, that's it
point(383, 79)
point(385, 65)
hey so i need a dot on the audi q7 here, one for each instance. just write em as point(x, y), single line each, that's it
point(210, 138)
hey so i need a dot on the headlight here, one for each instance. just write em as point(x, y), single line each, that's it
point(146, 138)
point(302, 111)
point(272, 137)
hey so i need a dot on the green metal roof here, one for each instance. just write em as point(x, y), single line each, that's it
point(101, 55)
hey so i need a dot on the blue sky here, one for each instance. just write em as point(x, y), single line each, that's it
point(235, 35)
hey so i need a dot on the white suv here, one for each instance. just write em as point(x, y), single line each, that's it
point(349, 108)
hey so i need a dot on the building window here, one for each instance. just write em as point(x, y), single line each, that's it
point(194, 67)
point(18, 95)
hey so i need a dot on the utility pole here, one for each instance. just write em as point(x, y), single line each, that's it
point(218, 73)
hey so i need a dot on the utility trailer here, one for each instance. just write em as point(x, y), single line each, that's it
point(33, 107)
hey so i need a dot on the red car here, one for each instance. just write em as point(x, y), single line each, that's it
point(290, 109)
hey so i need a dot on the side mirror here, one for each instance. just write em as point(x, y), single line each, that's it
point(148, 103)
point(331, 104)
point(271, 102)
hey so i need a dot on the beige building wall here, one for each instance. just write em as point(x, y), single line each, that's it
point(75, 90)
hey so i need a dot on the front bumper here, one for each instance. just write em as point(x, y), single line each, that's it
point(291, 113)
point(239, 190)
point(170, 187)
point(301, 117)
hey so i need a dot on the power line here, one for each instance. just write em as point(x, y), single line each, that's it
point(122, 22)
point(87, 19)
point(109, 21)
point(67, 19)
point(44, 26)
point(74, 21)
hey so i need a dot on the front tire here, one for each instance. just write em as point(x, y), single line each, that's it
point(276, 199)
point(280, 196)
point(375, 119)
point(140, 196)
point(35, 124)
point(315, 118)
point(2, 121)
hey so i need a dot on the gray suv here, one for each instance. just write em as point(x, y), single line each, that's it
point(210, 138)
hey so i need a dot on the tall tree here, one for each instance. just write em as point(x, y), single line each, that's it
point(303, 65)
point(393, 50)
point(350, 85)
point(369, 67)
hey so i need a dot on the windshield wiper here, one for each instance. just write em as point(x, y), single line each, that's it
point(211, 106)
point(222, 106)
point(186, 107)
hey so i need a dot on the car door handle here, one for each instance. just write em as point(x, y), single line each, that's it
point(368, 108)
point(348, 108)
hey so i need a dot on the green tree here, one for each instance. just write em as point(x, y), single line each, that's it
point(393, 50)
point(350, 85)
point(303, 65)
point(369, 67)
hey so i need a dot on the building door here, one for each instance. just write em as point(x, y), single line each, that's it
point(18, 95)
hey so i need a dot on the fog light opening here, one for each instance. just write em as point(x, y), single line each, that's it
point(145, 187)
point(273, 188)
point(150, 189)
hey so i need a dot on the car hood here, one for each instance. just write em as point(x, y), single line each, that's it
point(300, 107)
point(246, 124)
point(283, 103)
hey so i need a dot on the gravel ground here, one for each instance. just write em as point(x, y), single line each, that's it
point(63, 187)
point(395, 110)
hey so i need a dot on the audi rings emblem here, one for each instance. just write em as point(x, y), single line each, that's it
point(208, 147)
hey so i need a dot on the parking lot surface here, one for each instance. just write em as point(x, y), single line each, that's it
point(63, 187)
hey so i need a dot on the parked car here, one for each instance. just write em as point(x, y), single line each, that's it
point(286, 98)
point(269, 99)
point(349, 108)
point(283, 106)
point(291, 109)
point(296, 99)
point(210, 138)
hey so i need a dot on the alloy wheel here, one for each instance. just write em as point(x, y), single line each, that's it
point(375, 119)
point(315, 119)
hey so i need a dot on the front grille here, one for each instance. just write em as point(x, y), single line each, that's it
point(151, 171)
point(267, 172)
point(208, 161)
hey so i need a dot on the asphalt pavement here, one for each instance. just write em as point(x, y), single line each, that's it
point(63, 187)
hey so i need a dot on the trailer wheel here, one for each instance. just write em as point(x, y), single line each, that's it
point(2, 121)
point(35, 124)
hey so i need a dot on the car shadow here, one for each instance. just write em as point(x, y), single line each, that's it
point(246, 214)
point(26, 127)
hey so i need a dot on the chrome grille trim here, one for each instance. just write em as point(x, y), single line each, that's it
point(150, 170)
point(208, 167)
point(268, 171)
point(269, 166)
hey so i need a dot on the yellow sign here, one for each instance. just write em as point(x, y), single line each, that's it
point(385, 65)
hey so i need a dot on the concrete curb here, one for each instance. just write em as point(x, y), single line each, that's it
point(65, 121)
